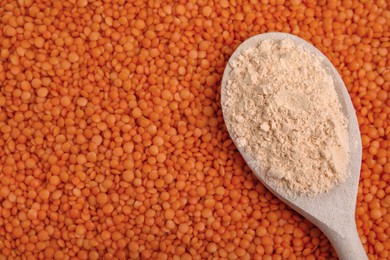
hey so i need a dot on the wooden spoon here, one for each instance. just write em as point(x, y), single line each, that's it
point(334, 211)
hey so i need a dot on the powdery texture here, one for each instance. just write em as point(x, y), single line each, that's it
point(282, 109)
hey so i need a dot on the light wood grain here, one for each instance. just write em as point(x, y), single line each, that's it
point(333, 212)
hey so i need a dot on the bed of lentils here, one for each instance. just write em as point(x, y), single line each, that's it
point(112, 142)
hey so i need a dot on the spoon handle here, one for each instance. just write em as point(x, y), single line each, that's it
point(348, 247)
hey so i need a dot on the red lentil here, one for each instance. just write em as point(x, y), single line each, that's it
point(112, 142)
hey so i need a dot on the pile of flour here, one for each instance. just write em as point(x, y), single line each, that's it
point(282, 108)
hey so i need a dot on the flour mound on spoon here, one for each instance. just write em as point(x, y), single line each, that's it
point(282, 109)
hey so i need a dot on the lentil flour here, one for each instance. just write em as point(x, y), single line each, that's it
point(283, 109)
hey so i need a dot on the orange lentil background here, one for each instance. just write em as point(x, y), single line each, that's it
point(112, 142)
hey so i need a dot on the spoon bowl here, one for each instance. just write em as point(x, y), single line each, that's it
point(334, 211)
